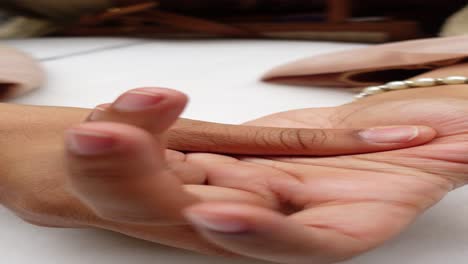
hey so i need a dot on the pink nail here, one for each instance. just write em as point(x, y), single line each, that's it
point(97, 112)
point(216, 223)
point(85, 142)
point(139, 99)
point(391, 134)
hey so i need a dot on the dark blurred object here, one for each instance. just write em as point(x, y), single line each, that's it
point(431, 14)
point(346, 20)
point(228, 7)
point(457, 24)
point(57, 9)
point(16, 25)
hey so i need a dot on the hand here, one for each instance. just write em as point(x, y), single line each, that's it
point(134, 201)
point(334, 208)
point(34, 182)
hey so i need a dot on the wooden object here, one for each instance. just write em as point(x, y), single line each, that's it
point(146, 18)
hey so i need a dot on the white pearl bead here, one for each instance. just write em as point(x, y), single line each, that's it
point(383, 87)
point(373, 90)
point(423, 82)
point(361, 95)
point(398, 85)
point(454, 80)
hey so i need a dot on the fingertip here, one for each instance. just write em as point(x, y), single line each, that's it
point(397, 135)
point(216, 222)
point(86, 142)
point(106, 127)
point(141, 99)
point(94, 138)
point(425, 134)
point(228, 218)
point(103, 107)
point(162, 90)
point(153, 109)
point(98, 112)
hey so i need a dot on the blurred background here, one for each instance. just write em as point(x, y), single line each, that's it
point(338, 20)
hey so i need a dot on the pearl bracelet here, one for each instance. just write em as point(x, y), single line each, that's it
point(418, 83)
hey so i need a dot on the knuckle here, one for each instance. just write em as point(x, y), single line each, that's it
point(297, 138)
point(320, 137)
point(303, 139)
point(263, 138)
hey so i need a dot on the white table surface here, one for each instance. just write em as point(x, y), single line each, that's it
point(221, 77)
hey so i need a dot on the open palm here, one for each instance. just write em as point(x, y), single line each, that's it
point(341, 206)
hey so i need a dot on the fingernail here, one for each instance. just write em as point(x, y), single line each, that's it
point(138, 100)
point(85, 142)
point(216, 223)
point(97, 112)
point(391, 134)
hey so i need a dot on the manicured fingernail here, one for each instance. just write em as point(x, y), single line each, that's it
point(216, 223)
point(97, 112)
point(391, 134)
point(139, 99)
point(85, 142)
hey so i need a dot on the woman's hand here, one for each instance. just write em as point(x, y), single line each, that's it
point(287, 210)
point(281, 209)
point(334, 208)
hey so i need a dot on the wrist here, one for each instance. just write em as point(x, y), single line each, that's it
point(26, 130)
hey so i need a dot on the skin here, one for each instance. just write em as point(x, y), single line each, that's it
point(341, 206)
point(264, 207)
point(45, 191)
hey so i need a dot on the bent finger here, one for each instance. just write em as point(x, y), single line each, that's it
point(120, 172)
point(266, 235)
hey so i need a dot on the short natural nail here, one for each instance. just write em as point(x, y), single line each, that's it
point(216, 223)
point(97, 112)
point(390, 134)
point(138, 100)
point(85, 142)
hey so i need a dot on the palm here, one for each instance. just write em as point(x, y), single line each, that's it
point(362, 200)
